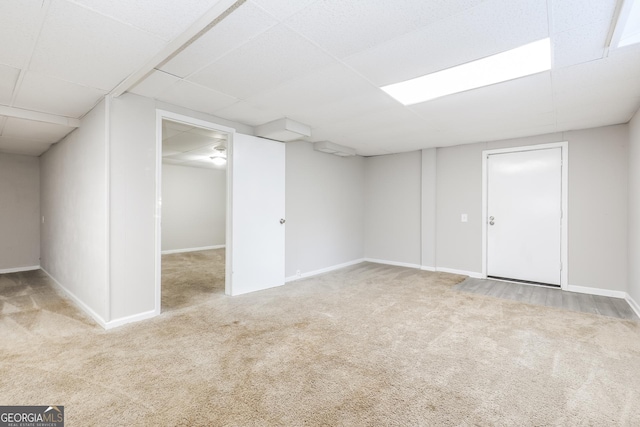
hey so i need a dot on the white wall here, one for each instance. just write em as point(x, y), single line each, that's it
point(597, 205)
point(193, 207)
point(19, 212)
point(429, 195)
point(133, 204)
point(132, 209)
point(634, 209)
point(324, 208)
point(73, 184)
point(392, 208)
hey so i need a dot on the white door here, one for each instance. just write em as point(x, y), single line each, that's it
point(258, 208)
point(524, 215)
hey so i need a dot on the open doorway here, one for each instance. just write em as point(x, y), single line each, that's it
point(193, 211)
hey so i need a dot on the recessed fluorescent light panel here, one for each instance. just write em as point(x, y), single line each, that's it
point(627, 31)
point(523, 61)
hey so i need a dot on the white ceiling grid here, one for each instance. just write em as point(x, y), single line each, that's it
point(321, 62)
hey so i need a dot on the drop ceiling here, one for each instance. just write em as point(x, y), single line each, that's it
point(319, 62)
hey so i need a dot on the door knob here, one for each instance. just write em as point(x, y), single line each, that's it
point(282, 221)
point(491, 220)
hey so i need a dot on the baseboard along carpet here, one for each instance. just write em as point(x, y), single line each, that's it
point(366, 345)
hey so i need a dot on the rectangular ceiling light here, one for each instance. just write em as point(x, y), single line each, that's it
point(627, 29)
point(523, 61)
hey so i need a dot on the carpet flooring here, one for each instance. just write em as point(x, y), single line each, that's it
point(368, 345)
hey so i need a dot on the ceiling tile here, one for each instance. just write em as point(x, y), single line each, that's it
point(329, 85)
point(282, 9)
point(263, 63)
point(22, 146)
point(595, 94)
point(50, 95)
point(513, 100)
point(617, 67)
point(36, 131)
point(347, 27)
point(19, 24)
point(457, 40)
point(236, 29)
point(164, 18)
point(569, 14)
point(196, 97)
point(580, 44)
point(244, 112)
point(83, 47)
point(154, 84)
point(610, 111)
point(8, 79)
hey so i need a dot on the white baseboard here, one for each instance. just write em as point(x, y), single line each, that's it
point(84, 307)
point(324, 270)
point(427, 268)
point(19, 269)
point(130, 319)
point(396, 263)
point(633, 304)
point(473, 274)
point(204, 248)
point(596, 291)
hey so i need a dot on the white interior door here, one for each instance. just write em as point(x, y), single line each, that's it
point(258, 208)
point(524, 213)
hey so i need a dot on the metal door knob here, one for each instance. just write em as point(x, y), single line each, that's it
point(491, 222)
point(282, 221)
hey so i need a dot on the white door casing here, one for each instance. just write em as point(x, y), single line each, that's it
point(257, 172)
point(524, 228)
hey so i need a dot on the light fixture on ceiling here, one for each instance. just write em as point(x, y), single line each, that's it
point(627, 25)
point(331, 148)
point(220, 157)
point(523, 61)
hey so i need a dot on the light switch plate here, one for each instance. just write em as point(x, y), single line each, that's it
point(463, 218)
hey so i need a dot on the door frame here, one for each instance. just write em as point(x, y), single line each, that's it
point(169, 115)
point(564, 238)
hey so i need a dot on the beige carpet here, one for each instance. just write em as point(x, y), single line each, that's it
point(367, 345)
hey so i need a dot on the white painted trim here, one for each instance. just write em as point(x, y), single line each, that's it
point(180, 251)
point(84, 307)
point(461, 272)
point(596, 291)
point(324, 270)
point(164, 114)
point(564, 240)
point(427, 268)
point(633, 304)
point(19, 269)
point(37, 116)
point(130, 319)
point(396, 263)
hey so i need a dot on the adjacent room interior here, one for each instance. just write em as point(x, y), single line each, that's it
point(194, 210)
point(321, 212)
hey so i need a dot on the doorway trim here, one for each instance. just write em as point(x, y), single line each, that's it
point(564, 238)
point(168, 115)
